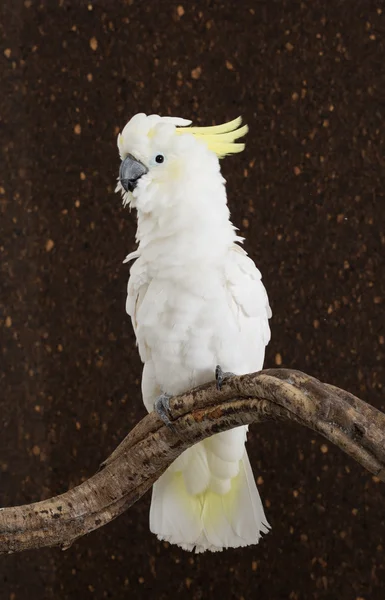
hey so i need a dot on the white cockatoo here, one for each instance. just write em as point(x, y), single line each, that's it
point(196, 300)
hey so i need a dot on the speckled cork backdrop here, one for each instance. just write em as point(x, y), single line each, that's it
point(307, 193)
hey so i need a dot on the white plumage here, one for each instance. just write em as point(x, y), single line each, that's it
point(196, 300)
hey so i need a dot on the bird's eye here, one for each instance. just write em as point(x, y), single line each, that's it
point(159, 158)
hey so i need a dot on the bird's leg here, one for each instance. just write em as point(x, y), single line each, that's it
point(220, 376)
point(162, 408)
point(162, 403)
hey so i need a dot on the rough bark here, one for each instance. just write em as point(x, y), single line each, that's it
point(278, 394)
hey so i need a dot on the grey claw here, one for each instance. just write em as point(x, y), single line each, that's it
point(162, 408)
point(220, 376)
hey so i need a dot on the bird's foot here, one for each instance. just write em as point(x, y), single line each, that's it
point(220, 376)
point(162, 408)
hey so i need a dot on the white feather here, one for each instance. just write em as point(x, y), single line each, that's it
point(196, 300)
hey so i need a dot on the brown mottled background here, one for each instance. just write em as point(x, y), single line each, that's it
point(308, 193)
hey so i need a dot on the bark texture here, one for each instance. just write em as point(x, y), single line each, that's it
point(279, 394)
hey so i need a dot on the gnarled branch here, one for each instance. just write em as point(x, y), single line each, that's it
point(278, 394)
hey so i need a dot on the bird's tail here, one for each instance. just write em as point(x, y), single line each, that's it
point(208, 520)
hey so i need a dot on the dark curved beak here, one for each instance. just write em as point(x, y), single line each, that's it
point(131, 170)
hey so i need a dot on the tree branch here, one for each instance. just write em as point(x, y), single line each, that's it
point(275, 394)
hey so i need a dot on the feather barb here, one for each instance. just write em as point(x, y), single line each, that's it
point(220, 138)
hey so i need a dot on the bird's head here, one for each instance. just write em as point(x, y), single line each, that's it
point(165, 162)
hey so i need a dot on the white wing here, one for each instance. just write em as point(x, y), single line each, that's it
point(244, 281)
point(136, 290)
point(245, 331)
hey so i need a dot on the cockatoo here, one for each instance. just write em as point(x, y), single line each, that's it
point(196, 300)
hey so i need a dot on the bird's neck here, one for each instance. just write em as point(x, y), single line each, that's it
point(174, 240)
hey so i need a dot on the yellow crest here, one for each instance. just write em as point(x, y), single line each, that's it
point(220, 138)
